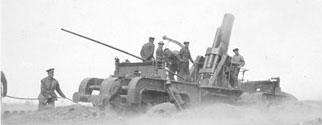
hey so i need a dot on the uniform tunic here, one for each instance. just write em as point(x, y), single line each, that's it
point(185, 56)
point(237, 62)
point(159, 54)
point(147, 51)
point(174, 63)
point(47, 94)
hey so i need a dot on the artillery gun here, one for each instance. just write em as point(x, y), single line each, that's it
point(145, 84)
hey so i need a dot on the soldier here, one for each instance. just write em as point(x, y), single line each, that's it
point(173, 62)
point(47, 96)
point(237, 61)
point(159, 52)
point(148, 50)
point(185, 57)
point(3, 85)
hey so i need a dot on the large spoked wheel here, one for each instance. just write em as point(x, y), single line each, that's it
point(163, 109)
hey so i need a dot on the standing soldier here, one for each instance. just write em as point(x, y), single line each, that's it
point(173, 62)
point(47, 96)
point(159, 52)
point(237, 61)
point(147, 50)
point(3, 85)
point(185, 57)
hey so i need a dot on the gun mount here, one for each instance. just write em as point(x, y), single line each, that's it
point(141, 85)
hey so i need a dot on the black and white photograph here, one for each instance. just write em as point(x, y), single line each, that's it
point(161, 62)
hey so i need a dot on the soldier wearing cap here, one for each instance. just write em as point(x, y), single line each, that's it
point(185, 57)
point(147, 50)
point(173, 61)
point(237, 61)
point(159, 52)
point(47, 96)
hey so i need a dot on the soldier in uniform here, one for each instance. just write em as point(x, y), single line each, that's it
point(173, 62)
point(3, 85)
point(185, 57)
point(159, 52)
point(237, 61)
point(47, 96)
point(147, 50)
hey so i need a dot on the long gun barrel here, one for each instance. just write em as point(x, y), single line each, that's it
point(216, 56)
point(101, 43)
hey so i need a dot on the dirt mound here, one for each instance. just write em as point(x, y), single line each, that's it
point(164, 109)
point(290, 113)
point(66, 113)
point(60, 115)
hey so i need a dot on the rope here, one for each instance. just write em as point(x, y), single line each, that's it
point(71, 100)
point(19, 98)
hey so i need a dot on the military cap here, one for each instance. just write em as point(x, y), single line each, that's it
point(151, 38)
point(50, 69)
point(161, 43)
point(185, 42)
point(236, 49)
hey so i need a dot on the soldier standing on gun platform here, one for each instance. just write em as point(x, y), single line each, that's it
point(147, 50)
point(185, 57)
point(47, 96)
point(173, 62)
point(159, 54)
point(237, 62)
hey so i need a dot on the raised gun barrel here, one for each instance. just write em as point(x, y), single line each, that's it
point(101, 43)
point(216, 56)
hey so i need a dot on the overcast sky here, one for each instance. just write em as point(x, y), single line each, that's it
point(276, 37)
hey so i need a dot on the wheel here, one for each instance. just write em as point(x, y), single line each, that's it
point(163, 109)
point(104, 105)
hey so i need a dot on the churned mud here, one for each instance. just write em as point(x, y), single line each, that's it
point(288, 113)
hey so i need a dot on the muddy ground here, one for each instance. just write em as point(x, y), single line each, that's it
point(289, 113)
